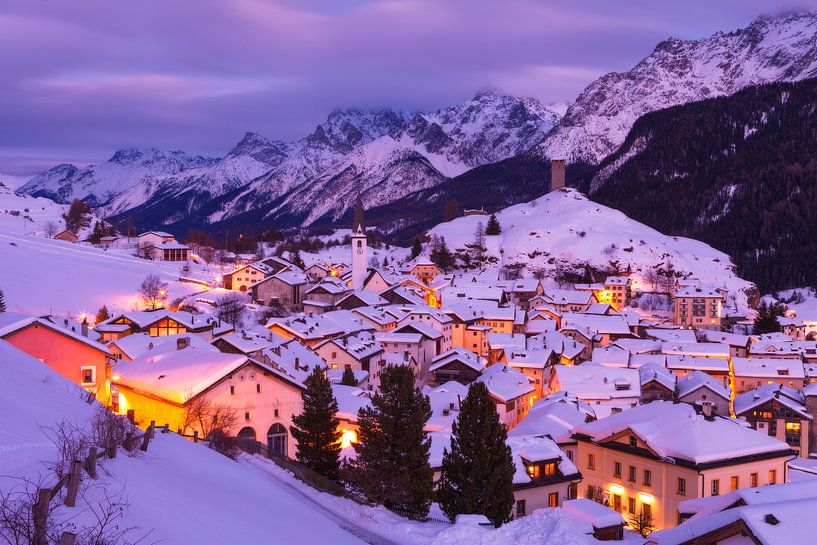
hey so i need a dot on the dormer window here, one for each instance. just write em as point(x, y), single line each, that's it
point(633, 441)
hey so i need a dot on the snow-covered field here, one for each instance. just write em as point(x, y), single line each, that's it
point(565, 228)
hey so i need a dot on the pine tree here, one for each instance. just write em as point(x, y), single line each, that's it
point(102, 314)
point(385, 262)
point(441, 256)
point(348, 378)
point(392, 453)
point(766, 320)
point(416, 248)
point(493, 228)
point(316, 428)
point(2, 301)
point(477, 473)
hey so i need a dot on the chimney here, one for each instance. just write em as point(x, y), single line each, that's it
point(557, 174)
point(182, 343)
point(706, 409)
point(85, 327)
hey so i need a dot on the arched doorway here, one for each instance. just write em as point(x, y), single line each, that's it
point(277, 440)
point(247, 433)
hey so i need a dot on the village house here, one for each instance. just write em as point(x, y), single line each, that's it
point(285, 289)
point(456, 364)
point(66, 235)
point(358, 352)
point(780, 412)
point(407, 346)
point(698, 388)
point(519, 292)
point(360, 298)
point(132, 346)
point(161, 246)
point(425, 271)
point(618, 292)
point(606, 389)
point(350, 400)
point(751, 373)
point(717, 368)
point(377, 280)
point(246, 342)
point(245, 276)
point(608, 525)
point(164, 389)
point(158, 323)
point(309, 330)
point(657, 383)
point(649, 459)
point(600, 330)
point(325, 295)
point(738, 344)
point(511, 391)
point(70, 353)
point(698, 307)
point(533, 364)
point(565, 300)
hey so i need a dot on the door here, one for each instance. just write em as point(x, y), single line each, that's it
point(277, 440)
point(617, 502)
point(763, 427)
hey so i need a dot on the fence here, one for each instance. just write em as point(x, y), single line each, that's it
point(71, 481)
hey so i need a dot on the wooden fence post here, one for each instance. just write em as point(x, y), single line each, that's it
point(146, 439)
point(90, 463)
point(67, 539)
point(195, 437)
point(167, 428)
point(112, 448)
point(128, 440)
point(131, 415)
point(40, 516)
point(73, 483)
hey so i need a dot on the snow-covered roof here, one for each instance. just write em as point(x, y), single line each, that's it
point(144, 318)
point(676, 431)
point(768, 368)
point(709, 350)
point(505, 383)
point(716, 365)
point(554, 416)
point(376, 315)
point(732, 339)
point(658, 373)
point(390, 337)
point(178, 375)
point(307, 326)
point(368, 298)
point(506, 341)
point(639, 346)
point(445, 402)
point(591, 381)
point(419, 327)
point(699, 292)
point(466, 357)
point(593, 513)
point(359, 345)
point(675, 335)
point(596, 323)
point(137, 344)
point(293, 359)
point(528, 359)
point(247, 342)
point(698, 379)
point(11, 322)
point(350, 400)
point(784, 395)
point(565, 297)
point(533, 448)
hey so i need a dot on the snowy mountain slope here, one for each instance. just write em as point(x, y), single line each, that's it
point(564, 229)
point(98, 184)
point(26, 214)
point(770, 49)
point(9, 181)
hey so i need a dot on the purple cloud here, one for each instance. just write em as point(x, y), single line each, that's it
point(82, 79)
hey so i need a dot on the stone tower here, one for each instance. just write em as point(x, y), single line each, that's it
point(557, 174)
point(359, 247)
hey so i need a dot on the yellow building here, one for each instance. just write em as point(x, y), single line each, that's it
point(698, 307)
point(648, 459)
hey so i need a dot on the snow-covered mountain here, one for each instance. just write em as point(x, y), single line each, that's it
point(770, 49)
point(422, 153)
point(99, 184)
point(564, 230)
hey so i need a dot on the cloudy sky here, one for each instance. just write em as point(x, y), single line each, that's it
point(81, 79)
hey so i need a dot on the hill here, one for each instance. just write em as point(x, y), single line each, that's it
point(736, 172)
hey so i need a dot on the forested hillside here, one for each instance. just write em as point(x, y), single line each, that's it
point(737, 172)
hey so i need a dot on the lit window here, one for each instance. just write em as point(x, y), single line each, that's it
point(715, 487)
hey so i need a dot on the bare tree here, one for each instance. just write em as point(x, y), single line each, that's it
point(144, 251)
point(51, 228)
point(205, 416)
point(652, 276)
point(153, 291)
point(642, 523)
point(230, 308)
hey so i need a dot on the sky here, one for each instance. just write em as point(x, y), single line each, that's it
point(79, 80)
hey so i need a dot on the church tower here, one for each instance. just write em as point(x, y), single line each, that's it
point(359, 248)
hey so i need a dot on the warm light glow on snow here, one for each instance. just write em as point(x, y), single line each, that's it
point(347, 438)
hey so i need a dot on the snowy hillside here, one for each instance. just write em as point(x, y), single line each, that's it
point(564, 230)
point(26, 214)
point(677, 71)
point(8, 181)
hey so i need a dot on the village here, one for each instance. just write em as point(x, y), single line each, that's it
point(676, 426)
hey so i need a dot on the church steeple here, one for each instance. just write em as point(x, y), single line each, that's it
point(358, 225)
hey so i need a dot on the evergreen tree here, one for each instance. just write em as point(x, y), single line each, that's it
point(348, 378)
point(102, 314)
point(441, 256)
point(2, 301)
point(416, 248)
point(385, 262)
point(78, 216)
point(766, 320)
point(392, 453)
point(477, 473)
point(316, 428)
point(493, 228)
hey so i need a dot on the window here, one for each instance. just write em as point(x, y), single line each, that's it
point(647, 477)
point(591, 461)
point(520, 508)
point(633, 441)
point(734, 481)
point(88, 374)
point(232, 390)
point(753, 480)
point(617, 470)
point(569, 455)
point(334, 366)
point(553, 499)
point(276, 413)
point(772, 476)
point(258, 388)
point(631, 476)
point(247, 416)
point(682, 486)
point(715, 487)
point(631, 505)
